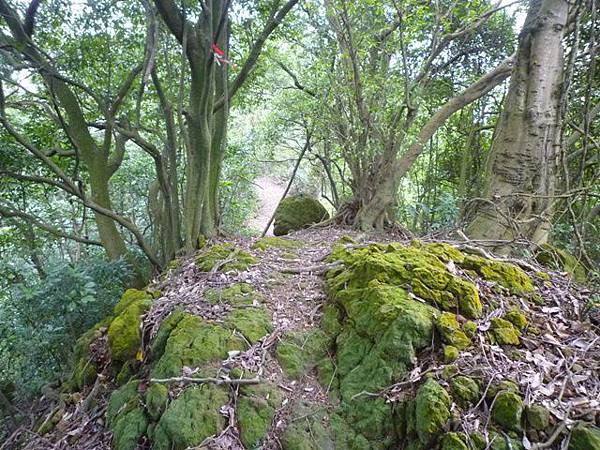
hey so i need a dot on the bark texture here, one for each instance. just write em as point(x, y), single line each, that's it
point(521, 167)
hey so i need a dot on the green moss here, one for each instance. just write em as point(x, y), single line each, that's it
point(504, 332)
point(454, 441)
point(559, 259)
point(194, 342)
point(297, 212)
point(504, 385)
point(124, 333)
point(327, 372)
point(128, 429)
point(585, 437)
point(307, 429)
point(507, 275)
point(253, 323)
point(224, 257)
point(330, 322)
point(507, 410)
point(255, 410)
point(125, 373)
point(123, 399)
point(157, 346)
point(517, 318)
point(424, 272)
point(157, 397)
point(191, 418)
point(445, 252)
point(431, 411)
point(465, 390)
point(470, 328)
point(299, 352)
point(538, 417)
point(266, 243)
point(238, 294)
point(450, 353)
point(448, 327)
point(450, 371)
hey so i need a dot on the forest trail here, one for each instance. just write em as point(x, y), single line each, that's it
point(269, 193)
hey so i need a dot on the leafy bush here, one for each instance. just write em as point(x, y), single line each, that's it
point(40, 322)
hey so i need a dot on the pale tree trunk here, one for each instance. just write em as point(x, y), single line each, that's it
point(520, 175)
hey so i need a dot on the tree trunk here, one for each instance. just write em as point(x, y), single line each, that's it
point(520, 172)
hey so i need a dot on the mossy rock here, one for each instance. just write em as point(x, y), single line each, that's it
point(330, 321)
point(124, 333)
point(157, 345)
point(448, 327)
point(253, 322)
point(505, 274)
point(517, 318)
point(424, 273)
point(432, 412)
point(84, 368)
point(450, 353)
point(157, 397)
point(297, 212)
point(225, 258)
point(558, 259)
point(465, 390)
point(238, 294)
point(269, 242)
point(503, 385)
point(125, 416)
point(507, 410)
point(194, 342)
point(585, 437)
point(470, 328)
point(299, 352)
point(538, 417)
point(256, 407)
point(191, 418)
point(504, 332)
point(454, 441)
point(307, 429)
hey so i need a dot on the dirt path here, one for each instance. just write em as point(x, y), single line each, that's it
point(269, 193)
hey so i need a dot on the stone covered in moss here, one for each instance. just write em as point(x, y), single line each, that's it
point(194, 342)
point(504, 385)
point(225, 258)
point(559, 259)
point(431, 411)
point(191, 418)
point(297, 212)
point(253, 323)
point(505, 274)
point(395, 264)
point(585, 437)
point(517, 318)
point(255, 410)
point(124, 333)
point(538, 417)
point(307, 429)
point(237, 294)
point(507, 410)
point(299, 352)
point(330, 321)
point(125, 416)
point(465, 390)
point(450, 353)
point(447, 325)
point(268, 242)
point(157, 397)
point(504, 332)
point(454, 441)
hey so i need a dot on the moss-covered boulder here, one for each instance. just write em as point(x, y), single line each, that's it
point(507, 410)
point(454, 441)
point(253, 322)
point(268, 242)
point(558, 259)
point(157, 397)
point(538, 417)
point(414, 267)
point(308, 429)
point(297, 212)
point(505, 274)
point(224, 258)
point(299, 352)
point(238, 294)
point(432, 412)
point(256, 407)
point(125, 416)
point(465, 390)
point(451, 333)
point(191, 418)
point(504, 332)
point(194, 342)
point(517, 318)
point(450, 353)
point(585, 437)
